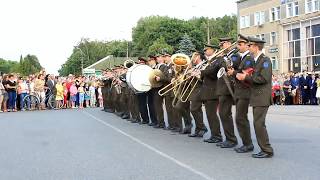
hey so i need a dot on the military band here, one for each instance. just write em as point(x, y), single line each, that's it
point(180, 89)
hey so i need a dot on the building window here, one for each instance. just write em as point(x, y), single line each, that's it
point(312, 6)
point(313, 50)
point(259, 18)
point(275, 65)
point(294, 49)
point(292, 9)
point(261, 36)
point(275, 14)
point(244, 22)
point(273, 39)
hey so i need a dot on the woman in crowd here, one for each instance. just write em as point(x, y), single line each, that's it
point(276, 90)
point(2, 93)
point(39, 90)
point(22, 91)
point(11, 86)
point(287, 91)
point(59, 94)
point(73, 95)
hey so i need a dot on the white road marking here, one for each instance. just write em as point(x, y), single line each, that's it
point(205, 176)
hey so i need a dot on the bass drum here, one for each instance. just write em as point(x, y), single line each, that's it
point(137, 77)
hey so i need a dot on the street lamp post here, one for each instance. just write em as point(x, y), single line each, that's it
point(83, 55)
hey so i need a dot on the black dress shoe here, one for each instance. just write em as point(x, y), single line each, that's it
point(213, 140)
point(186, 130)
point(171, 128)
point(125, 116)
point(262, 155)
point(244, 149)
point(152, 124)
point(157, 126)
point(196, 134)
point(226, 144)
point(142, 122)
point(175, 130)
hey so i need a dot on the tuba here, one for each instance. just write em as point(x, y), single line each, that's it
point(128, 63)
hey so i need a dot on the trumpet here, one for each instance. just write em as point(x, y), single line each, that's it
point(193, 80)
point(222, 71)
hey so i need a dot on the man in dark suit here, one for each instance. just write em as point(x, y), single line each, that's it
point(304, 86)
point(242, 94)
point(260, 98)
point(225, 98)
point(313, 89)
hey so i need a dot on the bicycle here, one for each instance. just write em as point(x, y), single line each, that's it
point(33, 101)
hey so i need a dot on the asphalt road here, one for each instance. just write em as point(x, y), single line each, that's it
point(90, 144)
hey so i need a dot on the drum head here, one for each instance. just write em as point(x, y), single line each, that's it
point(138, 77)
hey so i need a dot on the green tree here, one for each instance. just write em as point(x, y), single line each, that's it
point(29, 65)
point(158, 46)
point(186, 46)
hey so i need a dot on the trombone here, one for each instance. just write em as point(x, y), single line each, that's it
point(184, 94)
point(180, 62)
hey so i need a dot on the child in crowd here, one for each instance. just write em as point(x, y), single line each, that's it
point(81, 95)
point(92, 93)
point(73, 95)
point(100, 99)
point(65, 95)
point(60, 94)
point(22, 93)
point(87, 95)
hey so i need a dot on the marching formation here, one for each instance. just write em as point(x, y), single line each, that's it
point(213, 80)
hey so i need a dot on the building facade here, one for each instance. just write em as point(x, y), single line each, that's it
point(291, 29)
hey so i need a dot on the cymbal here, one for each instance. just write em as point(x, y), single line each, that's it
point(152, 78)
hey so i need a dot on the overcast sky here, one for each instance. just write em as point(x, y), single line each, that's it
point(50, 29)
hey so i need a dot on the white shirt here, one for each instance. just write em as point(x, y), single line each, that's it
point(244, 54)
point(210, 57)
point(256, 58)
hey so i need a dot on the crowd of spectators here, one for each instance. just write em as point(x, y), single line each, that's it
point(68, 92)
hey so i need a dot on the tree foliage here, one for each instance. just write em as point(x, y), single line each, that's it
point(89, 52)
point(26, 66)
point(186, 46)
point(152, 35)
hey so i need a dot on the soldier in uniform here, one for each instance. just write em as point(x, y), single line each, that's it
point(150, 99)
point(142, 99)
point(225, 99)
point(242, 95)
point(106, 91)
point(260, 98)
point(157, 99)
point(208, 92)
point(196, 103)
point(169, 75)
point(124, 96)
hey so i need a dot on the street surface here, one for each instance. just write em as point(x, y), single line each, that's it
point(91, 144)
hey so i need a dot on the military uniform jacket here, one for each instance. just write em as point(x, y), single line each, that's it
point(163, 68)
point(242, 89)
point(168, 75)
point(261, 82)
point(209, 84)
point(222, 89)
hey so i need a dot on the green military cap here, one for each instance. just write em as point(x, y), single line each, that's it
point(225, 39)
point(242, 38)
point(207, 46)
point(254, 40)
point(142, 59)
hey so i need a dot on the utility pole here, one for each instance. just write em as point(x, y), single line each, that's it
point(127, 49)
point(208, 31)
